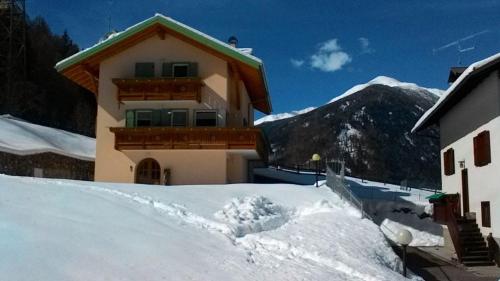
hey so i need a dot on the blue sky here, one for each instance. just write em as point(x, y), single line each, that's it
point(313, 50)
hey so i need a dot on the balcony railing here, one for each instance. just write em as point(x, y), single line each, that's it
point(190, 138)
point(140, 89)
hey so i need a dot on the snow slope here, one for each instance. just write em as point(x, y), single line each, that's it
point(71, 230)
point(379, 80)
point(386, 81)
point(279, 116)
point(23, 138)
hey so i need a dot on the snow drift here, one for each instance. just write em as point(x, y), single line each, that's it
point(71, 230)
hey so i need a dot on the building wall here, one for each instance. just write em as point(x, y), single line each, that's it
point(188, 166)
point(477, 108)
point(237, 168)
point(51, 165)
point(458, 128)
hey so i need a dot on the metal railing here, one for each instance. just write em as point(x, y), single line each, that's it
point(336, 184)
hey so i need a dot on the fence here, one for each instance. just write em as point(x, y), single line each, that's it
point(335, 181)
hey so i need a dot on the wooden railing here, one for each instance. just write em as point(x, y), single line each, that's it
point(190, 138)
point(453, 228)
point(140, 89)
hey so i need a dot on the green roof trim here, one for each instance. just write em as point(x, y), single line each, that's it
point(171, 24)
point(436, 196)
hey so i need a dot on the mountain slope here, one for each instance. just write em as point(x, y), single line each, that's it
point(370, 129)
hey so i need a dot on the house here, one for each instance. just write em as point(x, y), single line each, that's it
point(32, 150)
point(468, 116)
point(175, 106)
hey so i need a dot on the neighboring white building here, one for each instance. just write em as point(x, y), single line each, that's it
point(468, 116)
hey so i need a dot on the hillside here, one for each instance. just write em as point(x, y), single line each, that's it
point(229, 232)
point(369, 127)
point(39, 94)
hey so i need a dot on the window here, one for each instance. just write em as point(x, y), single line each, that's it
point(180, 70)
point(156, 118)
point(144, 69)
point(206, 119)
point(485, 214)
point(144, 118)
point(179, 118)
point(449, 162)
point(482, 151)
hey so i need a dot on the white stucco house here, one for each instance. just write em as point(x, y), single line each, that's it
point(468, 116)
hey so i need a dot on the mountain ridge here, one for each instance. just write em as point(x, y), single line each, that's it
point(379, 80)
point(370, 130)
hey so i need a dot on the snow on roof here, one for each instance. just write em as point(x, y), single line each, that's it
point(169, 23)
point(23, 138)
point(379, 80)
point(451, 90)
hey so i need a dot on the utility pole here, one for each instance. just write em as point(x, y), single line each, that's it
point(12, 45)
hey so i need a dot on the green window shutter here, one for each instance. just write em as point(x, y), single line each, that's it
point(166, 118)
point(167, 70)
point(145, 69)
point(156, 122)
point(129, 118)
point(193, 69)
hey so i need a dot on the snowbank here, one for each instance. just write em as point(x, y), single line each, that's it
point(71, 230)
point(22, 138)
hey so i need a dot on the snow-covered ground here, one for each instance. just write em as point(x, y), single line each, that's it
point(24, 138)
point(395, 208)
point(71, 230)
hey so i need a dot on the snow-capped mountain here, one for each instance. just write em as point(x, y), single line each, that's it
point(370, 127)
point(379, 80)
point(279, 116)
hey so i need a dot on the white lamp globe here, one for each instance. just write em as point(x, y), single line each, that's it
point(316, 157)
point(404, 237)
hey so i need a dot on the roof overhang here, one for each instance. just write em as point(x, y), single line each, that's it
point(467, 81)
point(83, 67)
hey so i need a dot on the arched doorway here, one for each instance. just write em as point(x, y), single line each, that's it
point(148, 172)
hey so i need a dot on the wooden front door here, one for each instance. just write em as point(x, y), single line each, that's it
point(465, 191)
point(148, 172)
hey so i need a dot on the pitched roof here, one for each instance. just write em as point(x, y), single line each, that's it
point(458, 90)
point(23, 138)
point(83, 67)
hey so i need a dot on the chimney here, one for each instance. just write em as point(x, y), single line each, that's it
point(233, 41)
point(455, 72)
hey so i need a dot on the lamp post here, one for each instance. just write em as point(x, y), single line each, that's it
point(404, 238)
point(316, 158)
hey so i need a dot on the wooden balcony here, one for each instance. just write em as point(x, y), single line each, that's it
point(141, 89)
point(190, 138)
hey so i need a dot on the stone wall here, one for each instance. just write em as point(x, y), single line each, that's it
point(48, 165)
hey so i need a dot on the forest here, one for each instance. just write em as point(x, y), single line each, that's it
point(37, 92)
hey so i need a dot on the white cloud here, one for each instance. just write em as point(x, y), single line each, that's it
point(296, 62)
point(365, 45)
point(330, 57)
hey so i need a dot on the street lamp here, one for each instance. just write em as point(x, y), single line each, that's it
point(404, 238)
point(316, 159)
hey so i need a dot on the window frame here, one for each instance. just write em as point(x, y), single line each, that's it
point(195, 119)
point(174, 65)
point(449, 162)
point(173, 111)
point(136, 121)
point(485, 214)
point(482, 149)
